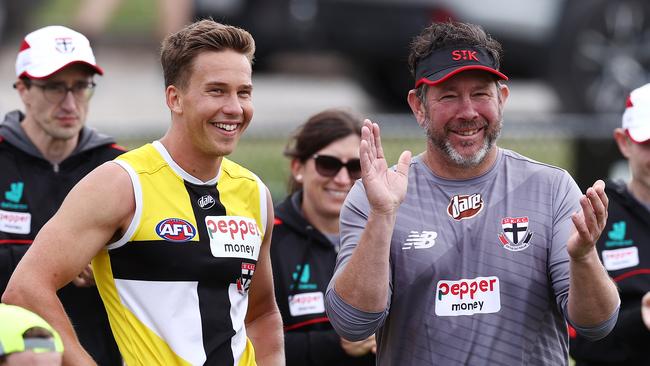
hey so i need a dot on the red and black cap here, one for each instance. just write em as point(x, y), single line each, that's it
point(443, 63)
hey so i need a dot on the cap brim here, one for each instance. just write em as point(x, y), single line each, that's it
point(441, 76)
point(43, 74)
point(639, 135)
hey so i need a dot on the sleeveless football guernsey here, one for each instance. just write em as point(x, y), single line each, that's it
point(175, 286)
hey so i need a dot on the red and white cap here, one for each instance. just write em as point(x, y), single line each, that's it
point(636, 118)
point(49, 49)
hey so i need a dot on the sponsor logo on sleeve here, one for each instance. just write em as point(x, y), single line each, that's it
point(462, 206)
point(306, 303)
point(479, 295)
point(620, 258)
point(515, 235)
point(244, 282)
point(175, 230)
point(234, 236)
point(15, 222)
point(420, 240)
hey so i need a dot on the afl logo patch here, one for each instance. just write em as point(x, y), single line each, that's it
point(175, 230)
point(206, 202)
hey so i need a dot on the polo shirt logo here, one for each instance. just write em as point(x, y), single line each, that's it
point(515, 235)
point(462, 206)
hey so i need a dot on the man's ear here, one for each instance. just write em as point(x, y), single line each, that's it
point(623, 142)
point(174, 99)
point(504, 92)
point(417, 107)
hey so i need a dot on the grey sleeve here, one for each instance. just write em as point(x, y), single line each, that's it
point(565, 203)
point(349, 322)
point(598, 331)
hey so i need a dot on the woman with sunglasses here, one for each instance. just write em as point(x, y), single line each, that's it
point(324, 155)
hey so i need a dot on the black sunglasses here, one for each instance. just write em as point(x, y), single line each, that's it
point(329, 166)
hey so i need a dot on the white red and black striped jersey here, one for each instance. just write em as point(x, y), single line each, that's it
point(175, 286)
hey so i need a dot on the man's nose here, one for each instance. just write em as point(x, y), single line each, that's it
point(69, 102)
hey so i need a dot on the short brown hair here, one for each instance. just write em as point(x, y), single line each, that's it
point(445, 34)
point(179, 49)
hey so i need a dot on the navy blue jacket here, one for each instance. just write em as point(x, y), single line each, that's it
point(303, 263)
point(31, 191)
point(624, 248)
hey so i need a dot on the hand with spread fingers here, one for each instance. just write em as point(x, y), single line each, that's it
point(590, 222)
point(385, 188)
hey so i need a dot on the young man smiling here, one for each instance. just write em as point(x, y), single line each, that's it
point(167, 222)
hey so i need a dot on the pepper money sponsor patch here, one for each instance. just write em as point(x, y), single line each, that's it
point(233, 237)
point(306, 303)
point(479, 295)
point(15, 222)
point(620, 258)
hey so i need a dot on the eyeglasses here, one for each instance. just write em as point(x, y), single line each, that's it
point(329, 166)
point(56, 92)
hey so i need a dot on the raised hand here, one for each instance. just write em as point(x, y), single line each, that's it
point(385, 188)
point(590, 222)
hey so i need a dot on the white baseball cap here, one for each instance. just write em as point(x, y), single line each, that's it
point(636, 118)
point(49, 49)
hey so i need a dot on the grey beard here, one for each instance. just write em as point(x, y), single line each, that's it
point(454, 156)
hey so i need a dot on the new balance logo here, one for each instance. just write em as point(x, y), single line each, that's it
point(417, 240)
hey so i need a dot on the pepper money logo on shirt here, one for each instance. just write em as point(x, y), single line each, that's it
point(234, 236)
point(479, 295)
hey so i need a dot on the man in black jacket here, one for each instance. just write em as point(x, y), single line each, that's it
point(44, 152)
point(625, 250)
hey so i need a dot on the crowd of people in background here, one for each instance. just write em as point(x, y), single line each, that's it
point(171, 253)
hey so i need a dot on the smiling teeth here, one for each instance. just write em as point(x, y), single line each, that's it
point(467, 133)
point(227, 127)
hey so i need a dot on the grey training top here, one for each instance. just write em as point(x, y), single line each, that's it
point(479, 268)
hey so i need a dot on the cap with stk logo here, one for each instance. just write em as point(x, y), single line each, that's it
point(443, 63)
point(49, 49)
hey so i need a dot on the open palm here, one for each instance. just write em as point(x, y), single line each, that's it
point(385, 188)
point(590, 222)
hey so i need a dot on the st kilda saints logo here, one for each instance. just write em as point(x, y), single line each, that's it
point(515, 235)
point(64, 45)
point(244, 282)
point(463, 206)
